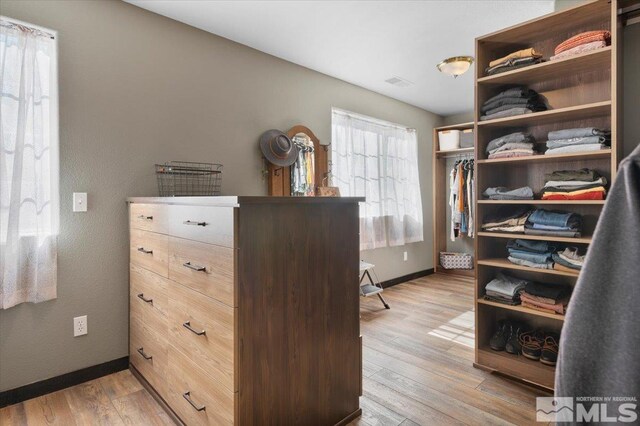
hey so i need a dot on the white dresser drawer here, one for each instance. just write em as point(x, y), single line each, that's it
point(213, 225)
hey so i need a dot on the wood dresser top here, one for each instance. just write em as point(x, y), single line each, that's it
point(236, 201)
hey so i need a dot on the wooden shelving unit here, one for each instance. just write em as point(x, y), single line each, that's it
point(582, 91)
point(441, 196)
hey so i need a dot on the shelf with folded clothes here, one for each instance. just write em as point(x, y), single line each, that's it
point(554, 260)
point(521, 294)
point(504, 263)
point(549, 158)
point(545, 202)
point(566, 67)
point(574, 240)
point(577, 112)
point(572, 224)
point(520, 308)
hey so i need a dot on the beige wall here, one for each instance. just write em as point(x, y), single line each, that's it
point(137, 89)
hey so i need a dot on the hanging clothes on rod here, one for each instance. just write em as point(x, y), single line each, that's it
point(461, 198)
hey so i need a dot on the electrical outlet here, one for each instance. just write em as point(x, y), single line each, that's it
point(405, 256)
point(80, 326)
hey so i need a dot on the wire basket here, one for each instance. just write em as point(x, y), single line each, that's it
point(185, 178)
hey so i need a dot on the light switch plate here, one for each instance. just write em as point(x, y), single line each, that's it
point(79, 201)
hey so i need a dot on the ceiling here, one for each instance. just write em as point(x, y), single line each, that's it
point(364, 42)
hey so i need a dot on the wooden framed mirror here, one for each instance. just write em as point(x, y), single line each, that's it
point(279, 182)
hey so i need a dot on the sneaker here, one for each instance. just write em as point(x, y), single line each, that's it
point(549, 354)
point(513, 342)
point(531, 343)
point(499, 339)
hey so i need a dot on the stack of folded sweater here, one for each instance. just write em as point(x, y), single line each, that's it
point(559, 224)
point(516, 144)
point(550, 298)
point(582, 43)
point(502, 193)
point(583, 184)
point(505, 289)
point(514, 101)
point(506, 219)
point(534, 254)
point(577, 140)
point(568, 260)
point(514, 60)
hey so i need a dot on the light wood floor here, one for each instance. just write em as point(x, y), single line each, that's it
point(417, 370)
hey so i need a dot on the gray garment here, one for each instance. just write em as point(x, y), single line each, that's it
point(513, 145)
point(522, 262)
point(576, 148)
point(576, 133)
point(508, 113)
point(502, 193)
point(517, 137)
point(553, 233)
point(600, 339)
point(558, 143)
point(504, 285)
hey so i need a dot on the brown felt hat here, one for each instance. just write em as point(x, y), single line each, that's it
point(278, 148)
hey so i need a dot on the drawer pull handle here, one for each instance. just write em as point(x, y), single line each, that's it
point(144, 250)
point(194, 223)
point(145, 356)
point(187, 325)
point(141, 296)
point(195, 267)
point(187, 396)
point(143, 217)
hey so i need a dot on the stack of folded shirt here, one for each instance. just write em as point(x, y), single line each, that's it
point(582, 43)
point(506, 219)
point(516, 144)
point(534, 254)
point(550, 298)
point(505, 289)
point(568, 260)
point(583, 184)
point(577, 140)
point(502, 193)
point(559, 224)
point(514, 60)
point(514, 101)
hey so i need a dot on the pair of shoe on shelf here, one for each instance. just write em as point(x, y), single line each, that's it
point(516, 338)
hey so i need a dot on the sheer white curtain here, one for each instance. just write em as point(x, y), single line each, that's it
point(378, 160)
point(29, 195)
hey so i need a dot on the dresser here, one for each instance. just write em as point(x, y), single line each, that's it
point(245, 310)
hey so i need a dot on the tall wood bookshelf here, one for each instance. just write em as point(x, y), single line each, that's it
point(582, 91)
point(441, 197)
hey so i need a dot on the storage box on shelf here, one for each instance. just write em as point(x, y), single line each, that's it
point(581, 91)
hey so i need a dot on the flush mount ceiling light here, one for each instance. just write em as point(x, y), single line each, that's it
point(455, 66)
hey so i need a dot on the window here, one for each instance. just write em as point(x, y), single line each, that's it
point(29, 195)
point(378, 160)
